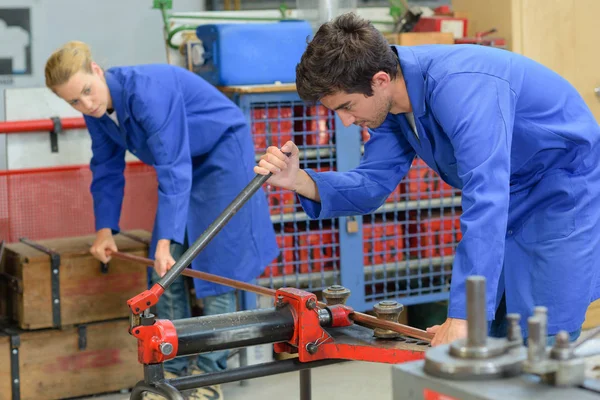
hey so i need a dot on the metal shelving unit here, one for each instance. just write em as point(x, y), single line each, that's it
point(404, 250)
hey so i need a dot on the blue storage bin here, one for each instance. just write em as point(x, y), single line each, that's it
point(250, 54)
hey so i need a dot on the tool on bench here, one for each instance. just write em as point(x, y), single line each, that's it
point(298, 323)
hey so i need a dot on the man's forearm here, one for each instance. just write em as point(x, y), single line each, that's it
point(305, 186)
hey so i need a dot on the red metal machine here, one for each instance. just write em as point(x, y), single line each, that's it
point(320, 333)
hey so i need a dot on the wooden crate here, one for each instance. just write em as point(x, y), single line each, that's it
point(419, 38)
point(86, 292)
point(52, 366)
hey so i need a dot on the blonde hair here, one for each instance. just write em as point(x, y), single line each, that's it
point(65, 62)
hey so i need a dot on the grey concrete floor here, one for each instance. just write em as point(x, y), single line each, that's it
point(352, 380)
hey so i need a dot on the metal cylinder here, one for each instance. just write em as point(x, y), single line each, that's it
point(234, 330)
point(336, 294)
point(389, 310)
point(534, 342)
point(514, 329)
point(476, 313)
point(541, 313)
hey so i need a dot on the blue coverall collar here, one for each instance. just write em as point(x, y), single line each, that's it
point(414, 79)
point(116, 93)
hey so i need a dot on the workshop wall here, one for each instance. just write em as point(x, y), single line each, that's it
point(119, 33)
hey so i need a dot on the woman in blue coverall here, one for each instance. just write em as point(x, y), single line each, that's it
point(515, 137)
point(200, 145)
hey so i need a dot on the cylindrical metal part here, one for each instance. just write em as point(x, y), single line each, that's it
point(541, 313)
point(336, 294)
point(305, 385)
point(234, 330)
point(562, 347)
point(324, 317)
point(389, 310)
point(476, 313)
point(514, 329)
point(166, 348)
point(534, 341)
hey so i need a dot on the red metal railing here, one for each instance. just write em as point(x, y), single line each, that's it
point(44, 203)
point(37, 125)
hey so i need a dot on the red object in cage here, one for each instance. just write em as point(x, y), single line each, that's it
point(281, 201)
point(312, 125)
point(46, 203)
point(382, 243)
point(284, 264)
point(317, 250)
point(435, 236)
point(271, 126)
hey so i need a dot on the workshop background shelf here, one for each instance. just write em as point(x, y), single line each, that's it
point(404, 250)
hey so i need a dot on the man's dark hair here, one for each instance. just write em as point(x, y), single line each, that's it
point(343, 56)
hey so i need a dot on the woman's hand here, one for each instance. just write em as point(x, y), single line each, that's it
point(103, 243)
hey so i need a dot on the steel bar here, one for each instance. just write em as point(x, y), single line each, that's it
point(212, 230)
point(359, 318)
point(250, 372)
point(476, 316)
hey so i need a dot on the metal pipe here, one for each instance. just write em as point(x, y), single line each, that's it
point(212, 230)
point(200, 275)
point(476, 316)
point(305, 385)
point(36, 125)
point(233, 330)
point(251, 372)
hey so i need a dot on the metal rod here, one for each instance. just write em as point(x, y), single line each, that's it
point(212, 230)
point(233, 330)
point(359, 318)
point(251, 372)
point(476, 315)
point(201, 275)
point(534, 340)
point(305, 385)
point(541, 313)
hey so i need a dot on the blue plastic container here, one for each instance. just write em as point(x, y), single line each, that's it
point(251, 54)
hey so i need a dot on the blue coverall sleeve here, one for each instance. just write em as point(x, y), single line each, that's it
point(476, 111)
point(162, 114)
point(386, 160)
point(108, 182)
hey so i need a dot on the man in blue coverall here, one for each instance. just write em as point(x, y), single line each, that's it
point(515, 137)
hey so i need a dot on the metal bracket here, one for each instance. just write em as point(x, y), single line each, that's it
point(54, 134)
point(82, 332)
point(14, 283)
point(15, 342)
point(54, 278)
point(103, 268)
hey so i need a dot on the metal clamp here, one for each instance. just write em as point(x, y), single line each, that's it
point(54, 278)
point(57, 128)
point(82, 334)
